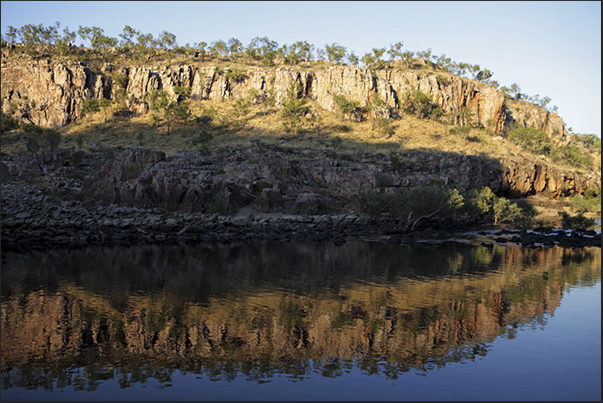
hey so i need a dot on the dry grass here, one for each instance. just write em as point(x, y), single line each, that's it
point(232, 126)
point(243, 127)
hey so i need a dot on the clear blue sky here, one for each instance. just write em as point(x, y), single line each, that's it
point(549, 48)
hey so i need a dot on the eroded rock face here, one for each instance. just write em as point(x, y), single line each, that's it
point(529, 115)
point(51, 95)
point(146, 179)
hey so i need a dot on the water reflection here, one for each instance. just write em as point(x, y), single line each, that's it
point(258, 310)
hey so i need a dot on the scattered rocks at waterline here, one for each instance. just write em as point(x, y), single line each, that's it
point(34, 219)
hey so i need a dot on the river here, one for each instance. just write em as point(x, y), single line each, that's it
point(302, 320)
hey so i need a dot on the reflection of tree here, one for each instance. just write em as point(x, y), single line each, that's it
point(396, 318)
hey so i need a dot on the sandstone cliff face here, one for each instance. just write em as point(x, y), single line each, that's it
point(530, 115)
point(51, 95)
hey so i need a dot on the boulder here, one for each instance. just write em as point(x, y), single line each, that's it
point(310, 204)
point(271, 201)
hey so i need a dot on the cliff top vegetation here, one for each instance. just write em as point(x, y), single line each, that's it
point(189, 124)
point(135, 46)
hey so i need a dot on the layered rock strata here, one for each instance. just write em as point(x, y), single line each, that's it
point(50, 95)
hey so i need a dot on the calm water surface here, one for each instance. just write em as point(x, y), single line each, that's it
point(302, 321)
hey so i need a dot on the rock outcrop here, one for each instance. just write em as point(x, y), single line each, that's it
point(50, 95)
point(146, 179)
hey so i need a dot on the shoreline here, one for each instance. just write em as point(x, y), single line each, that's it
point(34, 220)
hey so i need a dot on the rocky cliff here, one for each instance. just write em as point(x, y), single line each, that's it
point(50, 95)
point(279, 182)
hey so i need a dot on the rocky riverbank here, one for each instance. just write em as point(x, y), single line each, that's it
point(31, 218)
point(37, 217)
point(141, 196)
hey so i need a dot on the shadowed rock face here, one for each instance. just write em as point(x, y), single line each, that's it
point(146, 179)
point(57, 91)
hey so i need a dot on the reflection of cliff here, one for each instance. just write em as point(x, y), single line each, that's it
point(206, 306)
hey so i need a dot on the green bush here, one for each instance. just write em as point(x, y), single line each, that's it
point(41, 141)
point(429, 202)
point(591, 141)
point(342, 128)
point(532, 139)
point(577, 222)
point(592, 196)
point(503, 209)
point(202, 140)
point(235, 76)
point(483, 204)
point(442, 80)
point(538, 142)
point(573, 155)
point(293, 107)
point(418, 103)
point(479, 202)
point(8, 122)
point(579, 204)
point(438, 204)
point(345, 106)
point(376, 204)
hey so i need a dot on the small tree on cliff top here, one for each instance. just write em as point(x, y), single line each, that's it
point(336, 53)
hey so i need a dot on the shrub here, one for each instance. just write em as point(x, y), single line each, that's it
point(484, 204)
point(573, 155)
point(235, 75)
point(462, 131)
point(590, 141)
point(418, 103)
point(42, 141)
point(395, 161)
point(342, 128)
point(241, 107)
point(442, 80)
point(121, 81)
point(577, 222)
point(385, 126)
point(479, 202)
point(336, 143)
point(503, 210)
point(579, 204)
point(76, 157)
point(428, 202)
point(293, 107)
point(202, 140)
point(184, 92)
point(377, 204)
point(538, 142)
point(8, 122)
point(345, 107)
point(219, 205)
point(527, 215)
